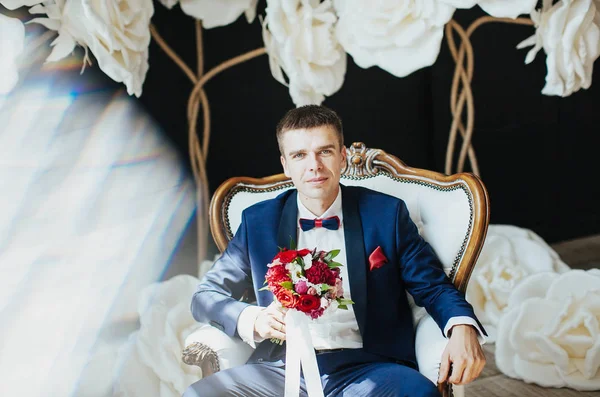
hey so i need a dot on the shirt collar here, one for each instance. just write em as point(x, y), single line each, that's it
point(334, 210)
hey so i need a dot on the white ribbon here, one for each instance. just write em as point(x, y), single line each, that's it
point(300, 351)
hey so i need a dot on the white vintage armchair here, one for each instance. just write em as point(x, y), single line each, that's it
point(451, 213)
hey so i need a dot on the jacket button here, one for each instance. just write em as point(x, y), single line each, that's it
point(260, 360)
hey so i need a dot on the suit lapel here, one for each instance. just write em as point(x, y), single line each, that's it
point(287, 225)
point(287, 230)
point(355, 255)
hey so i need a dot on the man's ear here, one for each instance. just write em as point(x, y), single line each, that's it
point(343, 152)
point(284, 165)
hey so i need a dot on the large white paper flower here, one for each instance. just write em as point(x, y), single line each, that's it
point(150, 362)
point(300, 40)
point(509, 254)
point(551, 333)
point(116, 31)
point(398, 36)
point(214, 13)
point(569, 33)
point(12, 38)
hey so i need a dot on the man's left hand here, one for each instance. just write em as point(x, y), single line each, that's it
point(464, 354)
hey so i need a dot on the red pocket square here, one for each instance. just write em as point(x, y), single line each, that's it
point(377, 259)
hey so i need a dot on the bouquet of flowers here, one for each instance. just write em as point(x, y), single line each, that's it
point(305, 280)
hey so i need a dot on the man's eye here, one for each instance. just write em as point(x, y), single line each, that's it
point(326, 151)
point(298, 156)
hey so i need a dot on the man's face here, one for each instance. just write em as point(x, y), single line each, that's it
point(313, 159)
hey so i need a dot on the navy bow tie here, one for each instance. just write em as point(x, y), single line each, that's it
point(331, 223)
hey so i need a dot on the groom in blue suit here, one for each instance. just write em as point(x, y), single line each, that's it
point(368, 349)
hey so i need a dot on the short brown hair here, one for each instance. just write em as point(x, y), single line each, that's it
point(307, 117)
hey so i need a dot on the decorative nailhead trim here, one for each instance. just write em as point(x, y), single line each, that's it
point(286, 185)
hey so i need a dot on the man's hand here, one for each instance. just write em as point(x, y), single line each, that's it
point(270, 322)
point(465, 355)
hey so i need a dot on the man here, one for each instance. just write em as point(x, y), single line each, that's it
point(368, 349)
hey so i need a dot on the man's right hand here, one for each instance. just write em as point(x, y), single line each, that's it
point(270, 322)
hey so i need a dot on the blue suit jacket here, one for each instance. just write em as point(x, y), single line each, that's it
point(371, 219)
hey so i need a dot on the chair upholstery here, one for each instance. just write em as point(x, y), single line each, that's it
point(451, 213)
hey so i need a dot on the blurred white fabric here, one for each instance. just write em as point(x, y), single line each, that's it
point(94, 201)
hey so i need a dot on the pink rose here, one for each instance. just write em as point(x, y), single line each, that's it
point(301, 287)
point(311, 291)
point(316, 313)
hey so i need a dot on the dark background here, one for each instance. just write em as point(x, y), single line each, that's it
point(537, 154)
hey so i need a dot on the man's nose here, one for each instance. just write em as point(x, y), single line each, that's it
point(314, 162)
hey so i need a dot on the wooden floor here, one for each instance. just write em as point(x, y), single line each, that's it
point(581, 254)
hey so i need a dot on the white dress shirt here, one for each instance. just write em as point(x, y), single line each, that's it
point(335, 329)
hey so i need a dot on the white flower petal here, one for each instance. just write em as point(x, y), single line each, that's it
point(575, 283)
point(14, 4)
point(116, 32)
point(533, 314)
point(12, 39)
point(545, 375)
point(570, 34)
point(63, 45)
point(300, 40)
point(216, 13)
point(169, 3)
point(505, 352)
point(51, 24)
point(465, 4)
point(507, 8)
point(398, 39)
point(508, 256)
point(534, 286)
point(553, 339)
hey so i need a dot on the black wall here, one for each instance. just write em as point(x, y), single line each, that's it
point(537, 154)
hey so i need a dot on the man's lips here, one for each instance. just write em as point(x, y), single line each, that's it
point(317, 180)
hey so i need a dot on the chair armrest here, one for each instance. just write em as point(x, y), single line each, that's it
point(429, 346)
point(213, 350)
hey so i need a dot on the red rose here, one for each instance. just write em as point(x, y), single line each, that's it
point(318, 273)
point(307, 303)
point(286, 298)
point(286, 256)
point(303, 252)
point(277, 274)
point(331, 277)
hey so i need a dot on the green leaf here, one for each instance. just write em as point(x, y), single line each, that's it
point(344, 302)
point(287, 284)
point(333, 265)
point(334, 253)
point(292, 243)
point(327, 258)
point(343, 307)
point(264, 289)
point(325, 287)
